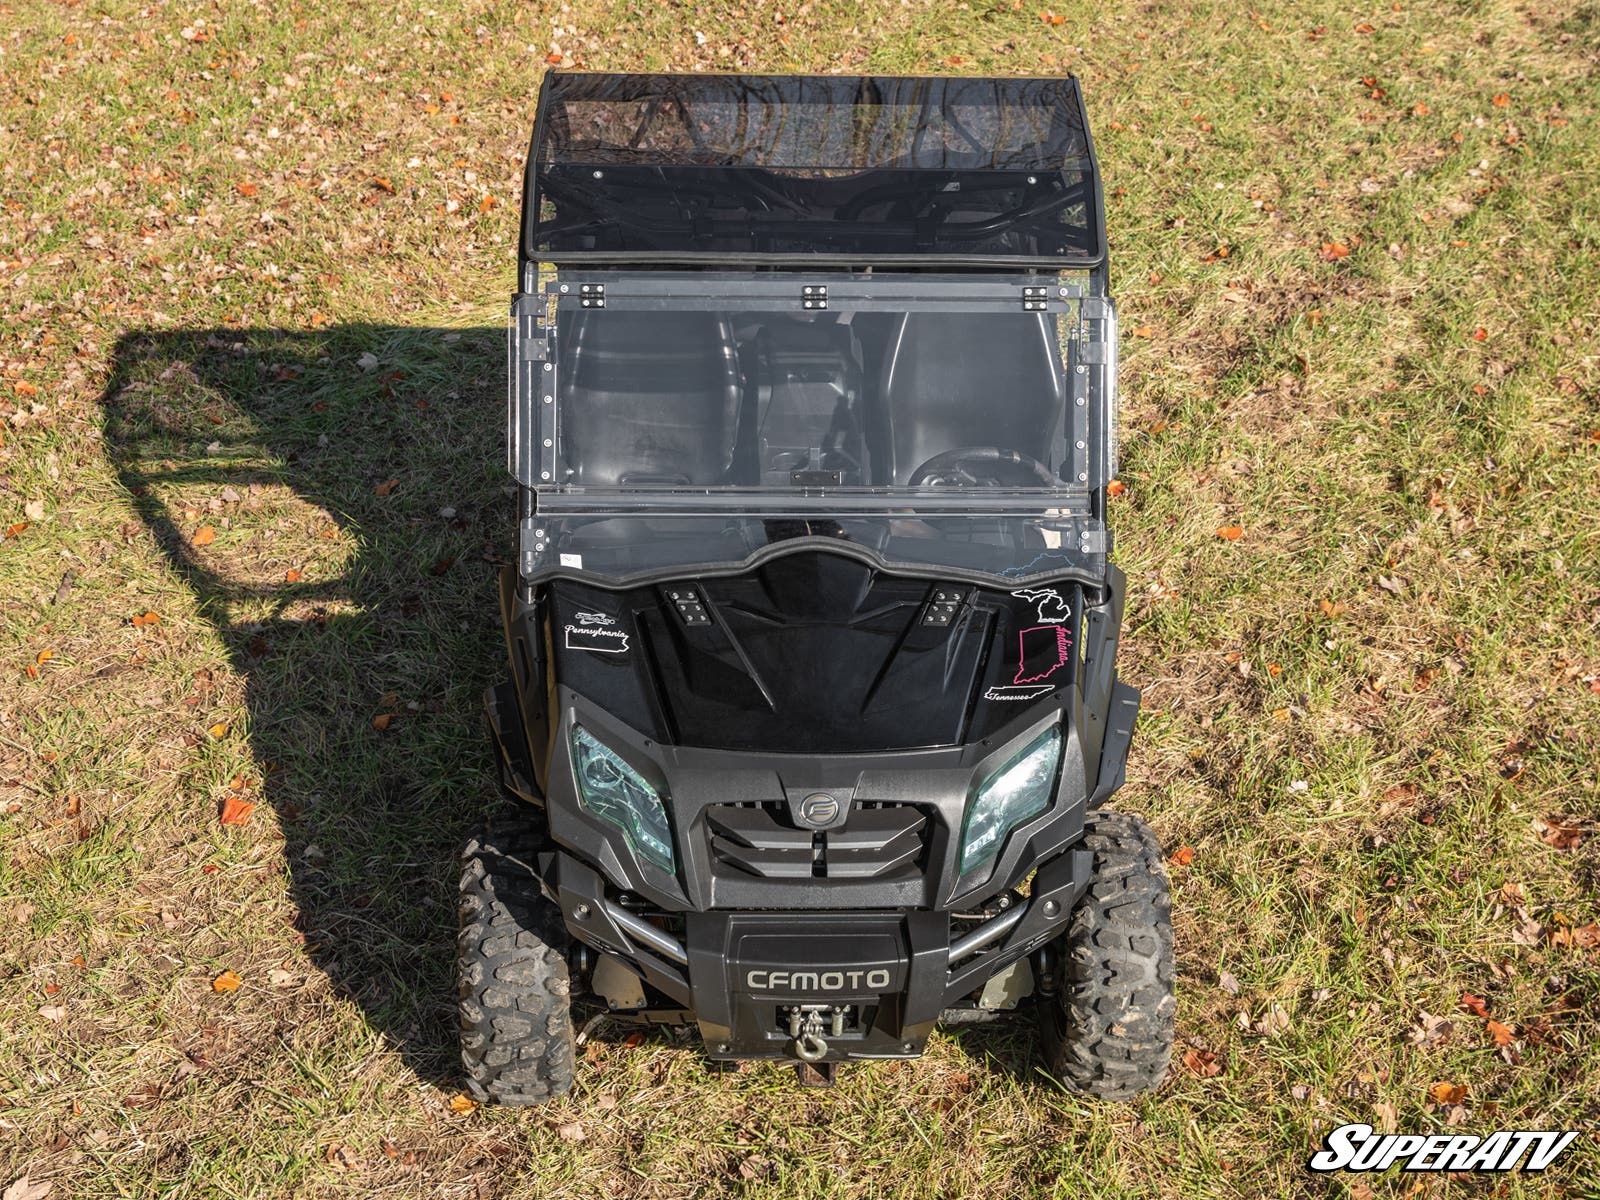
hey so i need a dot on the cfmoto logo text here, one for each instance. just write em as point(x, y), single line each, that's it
point(817, 981)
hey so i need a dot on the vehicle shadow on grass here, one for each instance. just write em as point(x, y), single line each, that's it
point(356, 507)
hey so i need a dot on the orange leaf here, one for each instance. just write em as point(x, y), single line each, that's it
point(226, 982)
point(1448, 1093)
point(1116, 488)
point(1333, 609)
point(386, 488)
point(1231, 533)
point(381, 182)
point(1274, 669)
point(634, 1040)
point(293, 576)
point(1502, 1034)
point(204, 536)
point(1050, 18)
point(45, 656)
point(1143, 331)
point(553, 57)
point(1474, 1004)
point(1183, 855)
point(31, 671)
point(16, 530)
point(219, 730)
point(236, 811)
point(1333, 250)
point(1364, 28)
point(1420, 109)
point(1501, 100)
point(246, 188)
point(1480, 334)
point(381, 721)
point(1202, 1062)
point(462, 1103)
point(485, 204)
point(23, 388)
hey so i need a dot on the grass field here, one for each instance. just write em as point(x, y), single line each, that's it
point(253, 265)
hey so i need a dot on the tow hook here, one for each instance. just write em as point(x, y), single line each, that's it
point(805, 1027)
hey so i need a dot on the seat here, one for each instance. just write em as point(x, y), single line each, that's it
point(647, 397)
point(952, 380)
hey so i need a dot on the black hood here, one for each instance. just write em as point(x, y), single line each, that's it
point(814, 653)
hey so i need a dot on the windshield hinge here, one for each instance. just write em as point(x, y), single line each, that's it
point(1094, 541)
point(1035, 298)
point(592, 295)
point(532, 543)
point(814, 295)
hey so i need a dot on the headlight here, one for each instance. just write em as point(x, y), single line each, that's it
point(610, 789)
point(1015, 793)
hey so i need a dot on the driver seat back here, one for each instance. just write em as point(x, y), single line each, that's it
point(949, 380)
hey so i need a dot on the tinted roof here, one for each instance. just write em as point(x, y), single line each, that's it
point(708, 168)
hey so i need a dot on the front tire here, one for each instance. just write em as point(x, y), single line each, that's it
point(1108, 1029)
point(512, 986)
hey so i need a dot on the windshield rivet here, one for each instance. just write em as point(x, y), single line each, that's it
point(549, 367)
point(544, 474)
point(549, 399)
point(1083, 476)
point(538, 533)
point(599, 174)
point(1080, 401)
point(1083, 445)
point(1033, 179)
point(565, 288)
point(1063, 293)
point(1081, 368)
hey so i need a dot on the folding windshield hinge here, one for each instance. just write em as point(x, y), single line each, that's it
point(814, 295)
point(534, 349)
point(592, 295)
point(1094, 541)
point(1035, 298)
point(531, 544)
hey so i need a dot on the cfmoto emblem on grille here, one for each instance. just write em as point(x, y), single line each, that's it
point(819, 809)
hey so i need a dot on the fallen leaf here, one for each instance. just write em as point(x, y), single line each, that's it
point(1202, 1063)
point(34, 510)
point(149, 618)
point(1183, 855)
point(52, 1012)
point(634, 1040)
point(16, 530)
point(1228, 983)
point(340, 1157)
point(1500, 100)
point(1272, 1022)
point(1448, 1093)
point(1474, 1004)
point(1231, 533)
point(1143, 331)
point(386, 488)
point(226, 982)
point(1480, 334)
point(486, 204)
point(204, 536)
point(381, 721)
point(246, 188)
point(236, 811)
point(1560, 832)
point(1051, 18)
point(1274, 669)
point(1332, 251)
point(1116, 488)
point(462, 1103)
point(1502, 1034)
point(570, 1132)
point(1332, 609)
point(219, 730)
point(24, 1188)
point(382, 183)
point(368, 362)
point(293, 576)
point(45, 656)
point(1363, 27)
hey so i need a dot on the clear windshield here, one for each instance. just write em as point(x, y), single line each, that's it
point(705, 420)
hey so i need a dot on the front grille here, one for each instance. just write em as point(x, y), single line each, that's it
point(877, 840)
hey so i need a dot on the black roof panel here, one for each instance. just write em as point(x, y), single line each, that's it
point(812, 169)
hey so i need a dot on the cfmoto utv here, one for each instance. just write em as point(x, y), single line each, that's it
point(812, 709)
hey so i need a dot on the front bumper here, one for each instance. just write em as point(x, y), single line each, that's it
point(879, 978)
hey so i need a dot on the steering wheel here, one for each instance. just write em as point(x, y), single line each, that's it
point(981, 466)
